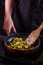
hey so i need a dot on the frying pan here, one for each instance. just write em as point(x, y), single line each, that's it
point(24, 36)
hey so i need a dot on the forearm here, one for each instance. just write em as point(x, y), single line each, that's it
point(8, 7)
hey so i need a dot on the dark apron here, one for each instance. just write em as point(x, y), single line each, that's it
point(23, 12)
point(22, 16)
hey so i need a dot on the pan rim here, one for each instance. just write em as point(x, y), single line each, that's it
point(26, 50)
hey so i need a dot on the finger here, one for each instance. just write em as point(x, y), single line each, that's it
point(14, 30)
point(8, 32)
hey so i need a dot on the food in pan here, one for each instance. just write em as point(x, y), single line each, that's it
point(19, 43)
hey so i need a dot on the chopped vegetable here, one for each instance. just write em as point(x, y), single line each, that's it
point(18, 43)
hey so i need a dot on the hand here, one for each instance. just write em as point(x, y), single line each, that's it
point(8, 25)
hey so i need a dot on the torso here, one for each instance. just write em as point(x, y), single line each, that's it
point(22, 15)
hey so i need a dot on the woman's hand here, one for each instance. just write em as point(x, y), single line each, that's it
point(8, 25)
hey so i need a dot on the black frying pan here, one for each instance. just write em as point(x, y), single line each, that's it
point(24, 36)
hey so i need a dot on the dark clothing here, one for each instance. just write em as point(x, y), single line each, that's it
point(22, 15)
point(27, 14)
point(37, 16)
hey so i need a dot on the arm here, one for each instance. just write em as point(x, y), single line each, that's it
point(8, 6)
point(8, 22)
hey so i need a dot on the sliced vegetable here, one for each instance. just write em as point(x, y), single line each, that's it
point(18, 43)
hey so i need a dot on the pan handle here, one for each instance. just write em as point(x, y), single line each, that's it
point(13, 33)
